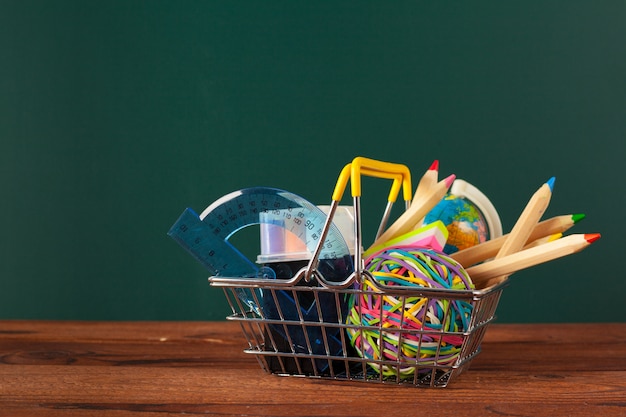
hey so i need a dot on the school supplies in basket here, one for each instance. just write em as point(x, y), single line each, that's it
point(402, 312)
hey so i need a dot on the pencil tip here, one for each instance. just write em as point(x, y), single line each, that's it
point(555, 236)
point(551, 183)
point(449, 180)
point(592, 237)
point(434, 166)
point(577, 217)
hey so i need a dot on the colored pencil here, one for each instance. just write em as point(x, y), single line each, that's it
point(541, 241)
point(526, 258)
point(428, 180)
point(525, 224)
point(527, 220)
point(486, 250)
point(418, 210)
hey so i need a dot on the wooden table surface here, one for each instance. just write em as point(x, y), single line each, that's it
point(59, 368)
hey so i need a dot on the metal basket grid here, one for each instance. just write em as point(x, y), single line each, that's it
point(302, 330)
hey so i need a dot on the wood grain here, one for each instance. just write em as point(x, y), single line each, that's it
point(174, 368)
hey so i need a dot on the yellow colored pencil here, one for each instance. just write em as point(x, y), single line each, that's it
point(541, 241)
point(526, 258)
point(418, 210)
point(486, 250)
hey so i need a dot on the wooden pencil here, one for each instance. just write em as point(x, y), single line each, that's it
point(541, 241)
point(419, 208)
point(428, 180)
point(527, 220)
point(526, 258)
point(525, 224)
point(486, 250)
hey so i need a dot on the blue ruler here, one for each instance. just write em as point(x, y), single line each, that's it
point(206, 236)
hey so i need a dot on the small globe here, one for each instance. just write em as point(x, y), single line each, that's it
point(466, 224)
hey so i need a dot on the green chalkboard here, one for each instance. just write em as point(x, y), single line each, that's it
point(115, 116)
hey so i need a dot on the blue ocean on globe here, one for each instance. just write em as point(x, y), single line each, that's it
point(465, 223)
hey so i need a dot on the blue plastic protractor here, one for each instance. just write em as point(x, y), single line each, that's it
point(206, 236)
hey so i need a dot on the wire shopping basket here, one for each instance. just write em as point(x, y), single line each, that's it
point(355, 328)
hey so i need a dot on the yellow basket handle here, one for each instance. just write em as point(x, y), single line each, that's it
point(361, 166)
point(373, 168)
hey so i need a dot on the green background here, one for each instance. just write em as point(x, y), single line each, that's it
point(116, 115)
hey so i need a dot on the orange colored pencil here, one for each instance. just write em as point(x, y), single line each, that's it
point(486, 250)
point(526, 258)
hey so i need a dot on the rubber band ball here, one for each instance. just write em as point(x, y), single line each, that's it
point(405, 334)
